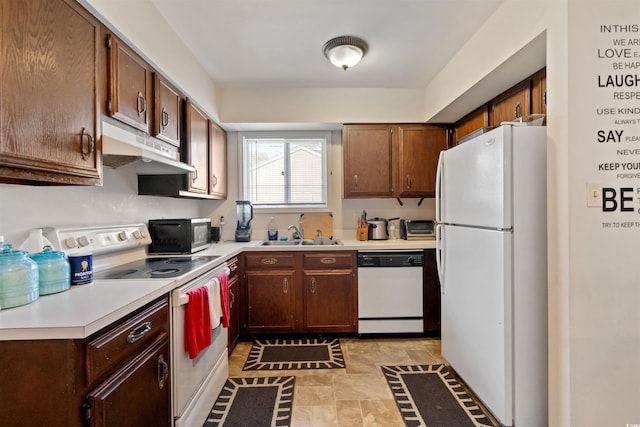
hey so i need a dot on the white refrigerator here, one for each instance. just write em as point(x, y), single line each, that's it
point(492, 262)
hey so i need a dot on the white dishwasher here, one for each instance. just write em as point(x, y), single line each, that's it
point(390, 297)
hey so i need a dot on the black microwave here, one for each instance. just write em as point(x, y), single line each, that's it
point(179, 236)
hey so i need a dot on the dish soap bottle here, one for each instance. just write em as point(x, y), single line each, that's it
point(272, 230)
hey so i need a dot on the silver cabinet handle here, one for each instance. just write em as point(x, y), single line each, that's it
point(214, 180)
point(139, 332)
point(313, 285)
point(285, 285)
point(195, 174)
point(518, 110)
point(408, 181)
point(163, 371)
point(355, 180)
point(141, 104)
point(232, 298)
point(165, 118)
point(328, 260)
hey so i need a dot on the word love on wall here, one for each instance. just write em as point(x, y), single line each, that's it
point(613, 88)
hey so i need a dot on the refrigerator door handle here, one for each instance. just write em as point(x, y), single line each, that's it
point(439, 258)
point(439, 171)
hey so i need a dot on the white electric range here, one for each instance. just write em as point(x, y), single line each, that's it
point(120, 256)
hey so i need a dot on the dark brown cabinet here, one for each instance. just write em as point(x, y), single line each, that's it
point(478, 119)
point(197, 148)
point(300, 292)
point(368, 160)
point(511, 105)
point(217, 162)
point(167, 123)
point(539, 92)
point(50, 93)
point(235, 302)
point(98, 381)
point(391, 160)
point(329, 292)
point(130, 86)
point(419, 147)
point(431, 294)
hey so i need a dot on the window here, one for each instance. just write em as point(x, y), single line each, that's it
point(285, 171)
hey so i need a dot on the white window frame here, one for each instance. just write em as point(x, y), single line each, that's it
point(242, 189)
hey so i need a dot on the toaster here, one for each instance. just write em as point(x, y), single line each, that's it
point(417, 229)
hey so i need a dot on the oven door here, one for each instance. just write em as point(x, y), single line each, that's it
point(196, 382)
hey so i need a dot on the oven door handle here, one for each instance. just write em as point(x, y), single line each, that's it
point(180, 296)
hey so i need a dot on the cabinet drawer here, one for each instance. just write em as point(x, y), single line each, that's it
point(331, 260)
point(270, 260)
point(122, 341)
point(232, 263)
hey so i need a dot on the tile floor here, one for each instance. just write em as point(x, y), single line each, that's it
point(351, 397)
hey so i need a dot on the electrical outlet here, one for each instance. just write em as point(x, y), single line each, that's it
point(594, 195)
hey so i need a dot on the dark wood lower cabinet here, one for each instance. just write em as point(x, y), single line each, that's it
point(431, 294)
point(120, 400)
point(299, 292)
point(103, 380)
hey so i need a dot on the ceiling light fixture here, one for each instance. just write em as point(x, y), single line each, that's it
point(345, 51)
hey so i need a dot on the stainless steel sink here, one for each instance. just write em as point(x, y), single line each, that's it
point(280, 243)
point(317, 242)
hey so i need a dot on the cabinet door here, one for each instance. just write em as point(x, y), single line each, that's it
point(197, 148)
point(167, 111)
point(270, 300)
point(218, 162)
point(539, 92)
point(419, 147)
point(512, 105)
point(368, 160)
point(431, 293)
point(234, 312)
point(139, 394)
point(130, 86)
point(329, 301)
point(49, 93)
point(472, 122)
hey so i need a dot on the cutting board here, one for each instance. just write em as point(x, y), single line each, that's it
point(312, 222)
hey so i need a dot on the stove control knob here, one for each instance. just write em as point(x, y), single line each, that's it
point(83, 241)
point(137, 234)
point(122, 236)
point(143, 233)
point(70, 243)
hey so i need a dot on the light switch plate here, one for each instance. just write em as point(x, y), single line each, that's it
point(594, 195)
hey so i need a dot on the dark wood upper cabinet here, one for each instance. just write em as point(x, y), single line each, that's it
point(511, 105)
point(539, 92)
point(129, 85)
point(197, 148)
point(50, 90)
point(167, 111)
point(217, 161)
point(478, 119)
point(419, 148)
point(368, 160)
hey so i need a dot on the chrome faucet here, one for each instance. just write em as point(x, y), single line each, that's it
point(297, 234)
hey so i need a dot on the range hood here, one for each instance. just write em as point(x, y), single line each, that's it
point(121, 147)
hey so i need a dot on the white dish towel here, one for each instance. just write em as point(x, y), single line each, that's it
point(215, 304)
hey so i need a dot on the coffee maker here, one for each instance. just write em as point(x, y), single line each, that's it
point(244, 212)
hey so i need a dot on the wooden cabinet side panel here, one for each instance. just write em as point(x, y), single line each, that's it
point(368, 161)
point(49, 91)
point(41, 381)
point(431, 293)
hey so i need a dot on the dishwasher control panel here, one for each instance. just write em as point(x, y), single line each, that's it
point(391, 259)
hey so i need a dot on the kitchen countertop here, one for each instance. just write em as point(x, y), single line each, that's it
point(83, 310)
